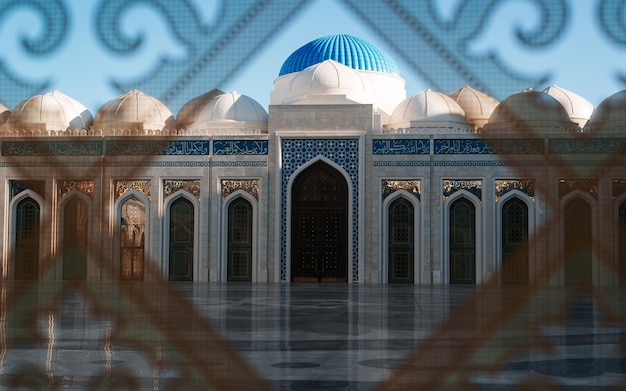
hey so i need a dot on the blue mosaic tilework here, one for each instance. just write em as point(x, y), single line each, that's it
point(52, 148)
point(401, 147)
point(600, 146)
point(490, 163)
point(158, 147)
point(240, 147)
point(488, 147)
point(343, 152)
point(410, 163)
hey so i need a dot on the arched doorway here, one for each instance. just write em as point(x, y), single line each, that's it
point(514, 241)
point(239, 240)
point(27, 240)
point(132, 239)
point(577, 242)
point(622, 243)
point(462, 242)
point(75, 239)
point(401, 241)
point(181, 240)
point(319, 225)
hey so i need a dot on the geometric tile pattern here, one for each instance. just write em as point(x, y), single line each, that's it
point(343, 152)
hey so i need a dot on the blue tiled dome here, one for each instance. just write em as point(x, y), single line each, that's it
point(346, 49)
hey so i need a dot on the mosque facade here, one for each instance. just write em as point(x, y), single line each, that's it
point(347, 179)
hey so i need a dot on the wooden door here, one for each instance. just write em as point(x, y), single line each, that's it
point(75, 239)
point(401, 241)
point(462, 242)
point(514, 242)
point(27, 240)
point(181, 240)
point(319, 225)
point(240, 241)
point(577, 245)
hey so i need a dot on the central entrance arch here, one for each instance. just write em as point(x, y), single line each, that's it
point(319, 225)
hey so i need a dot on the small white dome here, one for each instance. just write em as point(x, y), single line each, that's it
point(329, 78)
point(225, 111)
point(578, 108)
point(530, 109)
point(477, 105)
point(50, 111)
point(189, 113)
point(4, 113)
point(134, 111)
point(428, 108)
point(610, 115)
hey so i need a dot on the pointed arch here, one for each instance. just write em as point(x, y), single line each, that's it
point(239, 244)
point(132, 225)
point(515, 225)
point(463, 238)
point(74, 237)
point(320, 222)
point(412, 247)
point(26, 231)
point(577, 222)
point(181, 237)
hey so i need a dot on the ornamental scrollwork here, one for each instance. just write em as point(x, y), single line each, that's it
point(18, 186)
point(589, 186)
point(171, 186)
point(65, 186)
point(412, 186)
point(250, 186)
point(473, 186)
point(526, 186)
point(52, 34)
point(142, 186)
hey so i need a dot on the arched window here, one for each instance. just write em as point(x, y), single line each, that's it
point(514, 242)
point(462, 242)
point(132, 238)
point(401, 241)
point(240, 240)
point(27, 240)
point(181, 240)
point(75, 239)
point(577, 245)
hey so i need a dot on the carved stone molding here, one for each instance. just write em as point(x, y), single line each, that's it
point(65, 186)
point(250, 186)
point(389, 186)
point(18, 186)
point(171, 186)
point(526, 186)
point(589, 186)
point(451, 186)
point(142, 186)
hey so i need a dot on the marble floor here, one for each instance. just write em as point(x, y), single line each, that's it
point(186, 336)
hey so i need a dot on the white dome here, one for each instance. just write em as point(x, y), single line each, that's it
point(477, 105)
point(133, 111)
point(530, 109)
point(578, 108)
point(4, 113)
point(223, 111)
point(428, 109)
point(610, 115)
point(50, 111)
point(329, 78)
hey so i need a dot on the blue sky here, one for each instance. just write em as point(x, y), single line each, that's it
point(582, 60)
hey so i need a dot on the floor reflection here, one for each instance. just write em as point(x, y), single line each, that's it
point(307, 336)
